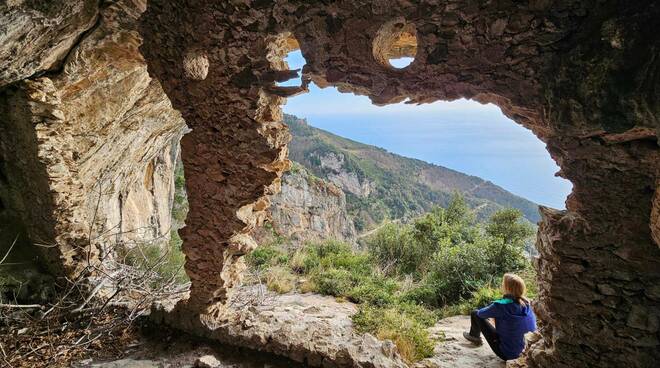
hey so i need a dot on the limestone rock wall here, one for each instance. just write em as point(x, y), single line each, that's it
point(38, 35)
point(89, 147)
point(582, 75)
point(340, 176)
point(309, 208)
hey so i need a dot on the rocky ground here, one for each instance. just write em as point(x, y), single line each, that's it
point(310, 328)
point(454, 351)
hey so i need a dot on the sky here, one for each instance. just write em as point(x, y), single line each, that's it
point(462, 135)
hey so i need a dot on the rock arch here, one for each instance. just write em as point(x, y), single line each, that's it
point(582, 75)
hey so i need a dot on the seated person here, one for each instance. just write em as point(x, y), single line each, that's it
point(513, 319)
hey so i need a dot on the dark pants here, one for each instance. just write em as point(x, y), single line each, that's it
point(482, 326)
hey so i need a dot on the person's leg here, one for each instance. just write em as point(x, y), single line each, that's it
point(480, 326)
point(475, 324)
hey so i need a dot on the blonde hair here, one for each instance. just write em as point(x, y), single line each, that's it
point(514, 285)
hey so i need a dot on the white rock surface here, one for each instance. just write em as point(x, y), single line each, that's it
point(309, 328)
point(348, 181)
point(207, 361)
point(309, 208)
point(455, 351)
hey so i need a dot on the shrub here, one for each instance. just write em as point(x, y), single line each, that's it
point(333, 282)
point(280, 280)
point(374, 290)
point(404, 329)
point(266, 256)
point(510, 233)
point(453, 274)
point(453, 225)
point(488, 293)
point(395, 249)
point(297, 262)
point(165, 262)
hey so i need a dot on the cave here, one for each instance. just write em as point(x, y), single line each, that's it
point(583, 76)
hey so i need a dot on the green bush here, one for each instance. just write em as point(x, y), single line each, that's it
point(266, 256)
point(333, 282)
point(406, 330)
point(489, 293)
point(166, 262)
point(395, 249)
point(454, 273)
point(452, 225)
point(511, 233)
point(374, 290)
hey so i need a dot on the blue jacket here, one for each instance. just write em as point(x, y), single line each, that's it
point(512, 322)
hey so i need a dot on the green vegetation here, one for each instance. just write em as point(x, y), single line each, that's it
point(409, 275)
point(180, 205)
point(162, 265)
point(401, 188)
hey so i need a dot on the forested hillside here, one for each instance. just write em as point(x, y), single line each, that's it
point(380, 185)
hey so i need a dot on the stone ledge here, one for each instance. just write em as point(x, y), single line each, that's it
point(308, 328)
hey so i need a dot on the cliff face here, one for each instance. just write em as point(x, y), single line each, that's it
point(88, 140)
point(335, 165)
point(309, 208)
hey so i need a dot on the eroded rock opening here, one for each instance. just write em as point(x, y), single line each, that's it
point(517, 56)
point(81, 119)
point(395, 44)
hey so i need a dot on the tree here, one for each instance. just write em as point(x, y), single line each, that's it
point(510, 233)
point(454, 224)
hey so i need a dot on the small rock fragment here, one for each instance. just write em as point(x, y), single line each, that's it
point(207, 361)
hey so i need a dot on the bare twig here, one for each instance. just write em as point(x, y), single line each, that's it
point(10, 248)
point(3, 305)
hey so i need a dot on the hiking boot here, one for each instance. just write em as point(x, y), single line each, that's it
point(475, 340)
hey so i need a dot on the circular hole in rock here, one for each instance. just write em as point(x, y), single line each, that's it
point(395, 44)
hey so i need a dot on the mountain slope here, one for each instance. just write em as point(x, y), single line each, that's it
point(381, 185)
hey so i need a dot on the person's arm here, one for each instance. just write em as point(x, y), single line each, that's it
point(531, 324)
point(491, 311)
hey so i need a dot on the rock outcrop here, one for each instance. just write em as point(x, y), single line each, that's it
point(37, 36)
point(309, 208)
point(348, 181)
point(87, 148)
point(311, 329)
point(453, 350)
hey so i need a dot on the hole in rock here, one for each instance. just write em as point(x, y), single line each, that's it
point(294, 61)
point(395, 44)
point(285, 55)
point(3, 176)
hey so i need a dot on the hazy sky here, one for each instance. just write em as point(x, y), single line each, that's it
point(462, 135)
